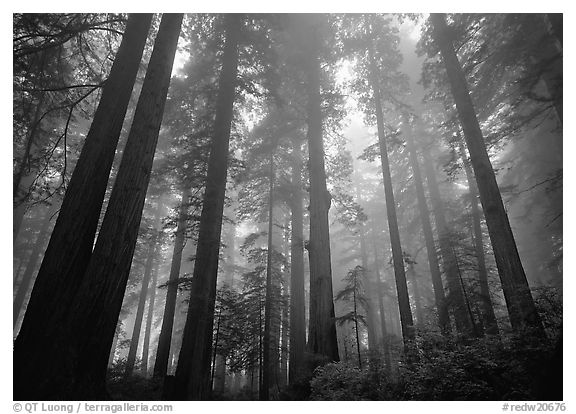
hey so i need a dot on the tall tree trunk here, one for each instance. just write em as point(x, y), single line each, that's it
point(94, 314)
point(380, 292)
point(165, 338)
point(407, 323)
point(72, 239)
point(439, 297)
point(322, 338)
point(137, 330)
point(356, 329)
point(488, 316)
point(297, 299)
point(417, 297)
point(266, 360)
point(456, 295)
point(517, 294)
point(31, 266)
point(193, 371)
point(150, 317)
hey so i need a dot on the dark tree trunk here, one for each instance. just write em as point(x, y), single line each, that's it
point(322, 338)
point(266, 353)
point(455, 289)
point(150, 317)
point(91, 323)
point(72, 239)
point(519, 300)
point(165, 338)
point(488, 316)
point(137, 330)
point(31, 266)
point(397, 256)
point(297, 300)
point(193, 371)
point(439, 297)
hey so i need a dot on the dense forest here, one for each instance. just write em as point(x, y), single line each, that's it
point(287, 206)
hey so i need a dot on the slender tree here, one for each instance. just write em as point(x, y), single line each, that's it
point(519, 301)
point(397, 257)
point(164, 340)
point(149, 318)
point(193, 370)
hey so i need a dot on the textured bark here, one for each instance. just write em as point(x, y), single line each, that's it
point(297, 299)
point(517, 294)
point(165, 338)
point(150, 317)
point(322, 338)
point(439, 297)
point(407, 323)
point(137, 330)
point(71, 242)
point(455, 298)
point(31, 266)
point(488, 316)
point(94, 314)
point(193, 371)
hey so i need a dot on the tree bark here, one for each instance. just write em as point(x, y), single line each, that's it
point(519, 301)
point(193, 371)
point(322, 338)
point(31, 266)
point(150, 317)
point(439, 297)
point(407, 323)
point(297, 299)
point(165, 338)
point(71, 242)
point(490, 324)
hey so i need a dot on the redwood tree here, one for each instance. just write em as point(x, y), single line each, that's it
point(519, 301)
point(193, 370)
point(72, 239)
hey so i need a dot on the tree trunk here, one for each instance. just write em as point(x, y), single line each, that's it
point(407, 323)
point(371, 311)
point(439, 298)
point(297, 299)
point(72, 239)
point(267, 366)
point(417, 298)
point(322, 338)
point(456, 295)
point(380, 292)
point(193, 371)
point(356, 329)
point(488, 316)
point(517, 294)
point(165, 338)
point(150, 317)
point(27, 277)
point(94, 314)
point(137, 330)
